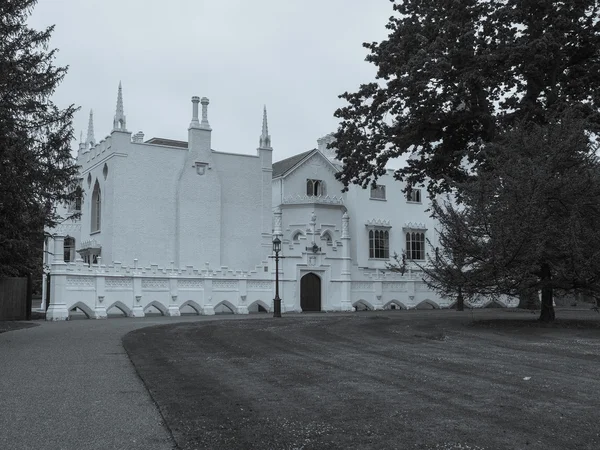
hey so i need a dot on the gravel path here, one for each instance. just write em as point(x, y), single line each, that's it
point(394, 380)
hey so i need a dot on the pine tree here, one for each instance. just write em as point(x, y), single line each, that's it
point(528, 224)
point(36, 166)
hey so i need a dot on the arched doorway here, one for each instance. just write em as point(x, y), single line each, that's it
point(310, 293)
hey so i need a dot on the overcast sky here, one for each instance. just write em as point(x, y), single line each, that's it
point(294, 56)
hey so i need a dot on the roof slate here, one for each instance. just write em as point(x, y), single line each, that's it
point(281, 167)
point(167, 142)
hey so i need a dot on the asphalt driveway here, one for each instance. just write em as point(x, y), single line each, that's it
point(70, 385)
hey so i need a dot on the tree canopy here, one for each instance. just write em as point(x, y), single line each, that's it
point(530, 222)
point(453, 74)
point(36, 166)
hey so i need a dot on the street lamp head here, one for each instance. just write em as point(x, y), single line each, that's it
point(276, 245)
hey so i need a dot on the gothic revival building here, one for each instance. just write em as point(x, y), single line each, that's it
point(170, 224)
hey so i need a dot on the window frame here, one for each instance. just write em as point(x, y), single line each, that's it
point(413, 239)
point(71, 247)
point(96, 213)
point(315, 187)
point(379, 243)
point(413, 193)
point(378, 188)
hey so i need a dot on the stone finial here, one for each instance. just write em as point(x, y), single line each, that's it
point(204, 124)
point(265, 139)
point(81, 143)
point(277, 229)
point(91, 140)
point(345, 225)
point(120, 123)
point(138, 137)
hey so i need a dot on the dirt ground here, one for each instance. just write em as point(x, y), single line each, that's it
point(377, 380)
point(14, 325)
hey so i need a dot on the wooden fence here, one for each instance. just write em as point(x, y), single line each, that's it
point(15, 298)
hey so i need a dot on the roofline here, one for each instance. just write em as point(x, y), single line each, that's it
point(299, 163)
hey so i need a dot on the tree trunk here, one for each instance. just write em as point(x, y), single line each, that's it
point(547, 313)
point(460, 301)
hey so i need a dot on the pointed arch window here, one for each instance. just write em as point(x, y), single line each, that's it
point(415, 245)
point(96, 215)
point(326, 236)
point(315, 187)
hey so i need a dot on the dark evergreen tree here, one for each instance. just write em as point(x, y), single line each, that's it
point(529, 223)
point(36, 166)
point(452, 74)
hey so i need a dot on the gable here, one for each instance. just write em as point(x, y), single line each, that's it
point(280, 168)
point(286, 166)
point(314, 167)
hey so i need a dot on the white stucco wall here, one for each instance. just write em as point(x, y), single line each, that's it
point(245, 209)
point(158, 208)
point(396, 209)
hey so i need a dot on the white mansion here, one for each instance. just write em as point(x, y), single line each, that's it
point(172, 224)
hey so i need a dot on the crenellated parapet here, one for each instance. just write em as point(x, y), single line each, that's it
point(318, 199)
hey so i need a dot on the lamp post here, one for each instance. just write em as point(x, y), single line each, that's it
point(277, 300)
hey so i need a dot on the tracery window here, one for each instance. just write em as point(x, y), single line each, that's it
point(379, 243)
point(415, 245)
point(315, 187)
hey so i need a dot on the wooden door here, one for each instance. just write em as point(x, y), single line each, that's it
point(310, 292)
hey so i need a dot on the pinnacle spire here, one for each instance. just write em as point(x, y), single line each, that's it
point(265, 139)
point(120, 122)
point(91, 140)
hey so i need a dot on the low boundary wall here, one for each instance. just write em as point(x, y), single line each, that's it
point(96, 289)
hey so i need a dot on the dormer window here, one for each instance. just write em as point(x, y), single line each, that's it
point(414, 196)
point(378, 192)
point(315, 187)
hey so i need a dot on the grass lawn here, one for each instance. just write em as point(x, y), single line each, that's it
point(377, 380)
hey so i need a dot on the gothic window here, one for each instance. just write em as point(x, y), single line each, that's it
point(379, 243)
point(96, 208)
point(78, 202)
point(414, 196)
point(315, 187)
point(327, 237)
point(69, 249)
point(296, 236)
point(415, 245)
point(378, 192)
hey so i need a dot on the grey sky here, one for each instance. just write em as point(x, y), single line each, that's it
point(294, 56)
